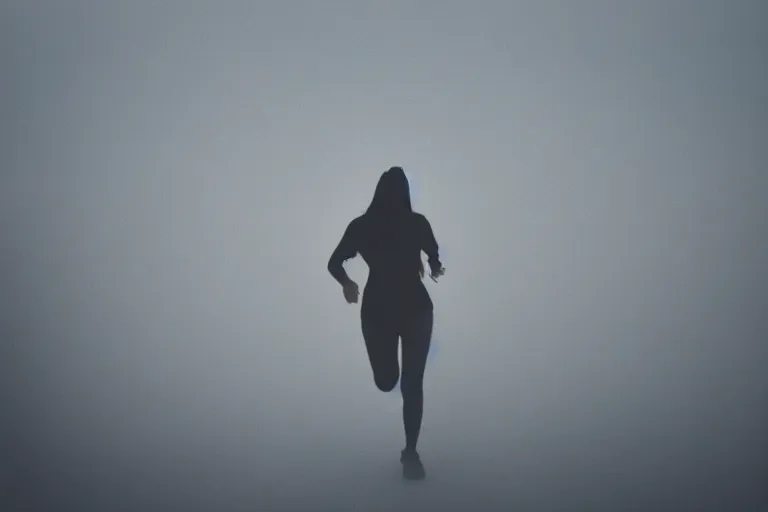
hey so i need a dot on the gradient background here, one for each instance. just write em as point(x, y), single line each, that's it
point(176, 174)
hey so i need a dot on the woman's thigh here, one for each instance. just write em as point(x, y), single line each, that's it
point(381, 343)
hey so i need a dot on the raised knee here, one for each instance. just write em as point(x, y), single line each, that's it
point(386, 383)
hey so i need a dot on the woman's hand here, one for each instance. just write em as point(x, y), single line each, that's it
point(351, 292)
point(435, 275)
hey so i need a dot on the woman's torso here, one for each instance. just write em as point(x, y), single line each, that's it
point(392, 250)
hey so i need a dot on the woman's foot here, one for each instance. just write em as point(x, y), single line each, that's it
point(413, 469)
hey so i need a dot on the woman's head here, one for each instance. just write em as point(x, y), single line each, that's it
point(393, 193)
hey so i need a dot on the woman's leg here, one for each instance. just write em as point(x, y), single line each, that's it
point(381, 342)
point(416, 336)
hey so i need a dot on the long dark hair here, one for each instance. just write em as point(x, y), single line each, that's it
point(392, 197)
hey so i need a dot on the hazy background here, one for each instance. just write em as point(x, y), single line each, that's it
point(176, 174)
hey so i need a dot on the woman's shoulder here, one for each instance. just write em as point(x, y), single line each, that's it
point(358, 225)
point(357, 221)
point(420, 218)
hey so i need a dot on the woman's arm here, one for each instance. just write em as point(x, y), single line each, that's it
point(347, 249)
point(430, 247)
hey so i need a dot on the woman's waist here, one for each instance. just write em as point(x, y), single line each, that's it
point(394, 295)
point(395, 286)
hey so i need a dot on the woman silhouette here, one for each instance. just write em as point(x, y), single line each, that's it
point(396, 305)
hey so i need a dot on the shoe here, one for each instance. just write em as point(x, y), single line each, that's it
point(413, 469)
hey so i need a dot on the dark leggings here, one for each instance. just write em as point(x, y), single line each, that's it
point(381, 341)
